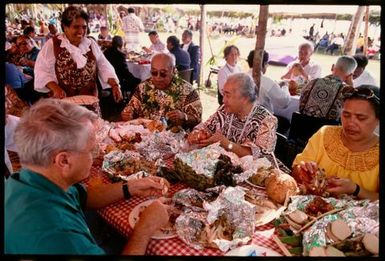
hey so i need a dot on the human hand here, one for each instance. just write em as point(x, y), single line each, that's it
point(293, 87)
point(349, 79)
point(176, 117)
point(149, 186)
point(339, 186)
point(216, 137)
point(154, 217)
point(58, 92)
point(195, 136)
point(117, 93)
point(311, 167)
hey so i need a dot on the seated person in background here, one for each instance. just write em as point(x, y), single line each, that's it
point(231, 54)
point(29, 31)
point(52, 220)
point(348, 153)
point(322, 98)
point(156, 44)
point(52, 31)
point(104, 34)
point(241, 125)
point(165, 94)
point(29, 54)
point(335, 43)
point(270, 93)
point(194, 52)
point(303, 69)
point(360, 75)
point(182, 58)
point(117, 58)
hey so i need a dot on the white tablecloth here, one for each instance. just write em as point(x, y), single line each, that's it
point(140, 71)
point(287, 112)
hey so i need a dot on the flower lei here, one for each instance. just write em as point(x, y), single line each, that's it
point(162, 100)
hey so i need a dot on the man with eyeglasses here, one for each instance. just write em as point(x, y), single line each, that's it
point(165, 94)
point(45, 202)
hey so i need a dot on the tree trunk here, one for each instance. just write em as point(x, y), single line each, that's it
point(351, 38)
point(366, 30)
point(260, 44)
point(202, 34)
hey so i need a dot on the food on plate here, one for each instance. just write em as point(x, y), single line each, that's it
point(317, 207)
point(280, 185)
point(155, 125)
point(265, 210)
point(371, 243)
point(224, 172)
point(314, 184)
point(298, 217)
point(262, 174)
point(338, 230)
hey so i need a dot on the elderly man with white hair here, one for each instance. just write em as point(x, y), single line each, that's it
point(322, 98)
point(303, 69)
point(241, 124)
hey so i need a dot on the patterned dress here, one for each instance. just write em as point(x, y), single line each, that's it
point(13, 104)
point(72, 80)
point(151, 103)
point(322, 98)
point(258, 133)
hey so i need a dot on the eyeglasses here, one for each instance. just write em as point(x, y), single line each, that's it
point(365, 93)
point(162, 74)
point(94, 152)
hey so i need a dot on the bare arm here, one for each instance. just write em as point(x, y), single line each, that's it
point(152, 218)
point(57, 91)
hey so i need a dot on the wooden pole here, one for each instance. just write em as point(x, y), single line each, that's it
point(260, 44)
point(351, 38)
point(366, 30)
point(202, 37)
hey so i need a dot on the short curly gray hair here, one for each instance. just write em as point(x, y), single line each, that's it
point(50, 126)
point(245, 83)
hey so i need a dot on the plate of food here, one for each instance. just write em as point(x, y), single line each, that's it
point(258, 179)
point(252, 250)
point(163, 233)
point(82, 99)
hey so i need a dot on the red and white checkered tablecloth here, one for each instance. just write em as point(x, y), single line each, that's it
point(117, 216)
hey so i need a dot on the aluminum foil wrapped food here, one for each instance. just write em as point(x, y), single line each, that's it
point(193, 199)
point(119, 163)
point(228, 222)
point(362, 216)
point(160, 145)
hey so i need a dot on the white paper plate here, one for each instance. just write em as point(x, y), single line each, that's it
point(134, 217)
point(253, 185)
point(251, 250)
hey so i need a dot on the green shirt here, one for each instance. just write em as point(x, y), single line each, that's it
point(42, 218)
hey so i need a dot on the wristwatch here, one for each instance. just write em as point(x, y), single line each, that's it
point(230, 146)
point(126, 192)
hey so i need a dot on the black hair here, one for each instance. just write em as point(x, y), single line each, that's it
point(117, 41)
point(28, 30)
point(152, 33)
point(173, 40)
point(361, 60)
point(374, 101)
point(131, 10)
point(188, 32)
point(227, 50)
point(70, 14)
point(250, 58)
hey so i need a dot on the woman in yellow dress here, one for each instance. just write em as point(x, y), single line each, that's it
point(349, 154)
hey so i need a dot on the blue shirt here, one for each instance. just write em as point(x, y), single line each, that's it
point(42, 218)
point(13, 76)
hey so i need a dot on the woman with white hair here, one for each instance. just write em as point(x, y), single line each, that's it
point(241, 125)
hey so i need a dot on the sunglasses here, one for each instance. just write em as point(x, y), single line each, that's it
point(161, 74)
point(361, 93)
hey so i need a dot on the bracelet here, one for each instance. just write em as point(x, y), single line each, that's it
point(126, 192)
point(357, 191)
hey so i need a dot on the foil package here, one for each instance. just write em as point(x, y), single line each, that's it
point(362, 216)
point(201, 229)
